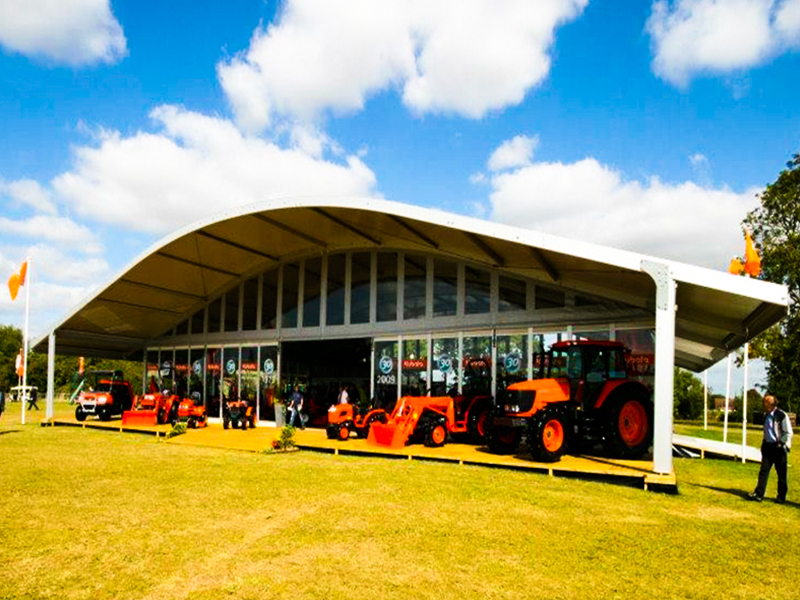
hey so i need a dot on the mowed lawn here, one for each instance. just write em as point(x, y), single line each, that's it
point(93, 514)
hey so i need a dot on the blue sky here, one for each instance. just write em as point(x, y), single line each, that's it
point(646, 126)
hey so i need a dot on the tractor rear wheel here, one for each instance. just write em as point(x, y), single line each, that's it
point(548, 434)
point(161, 416)
point(629, 425)
point(503, 440)
point(477, 422)
point(332, 431)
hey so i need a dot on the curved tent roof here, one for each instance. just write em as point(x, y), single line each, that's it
point(717, 312)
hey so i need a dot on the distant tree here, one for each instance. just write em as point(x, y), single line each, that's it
point(776, 232)
point(688, 395)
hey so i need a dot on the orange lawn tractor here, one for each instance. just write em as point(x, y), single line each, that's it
point(346, 418)
point(586, 398)
point(429, 420)
point(192, 412)
point(105, 394)
point(236, 413)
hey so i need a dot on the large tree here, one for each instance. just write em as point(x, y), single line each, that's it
point(776, 231)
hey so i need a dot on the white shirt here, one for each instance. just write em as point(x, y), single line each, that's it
point(343, 397)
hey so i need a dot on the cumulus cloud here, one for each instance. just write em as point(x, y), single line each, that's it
point(468, 57)
point(695, 37)
point(70, 32)
point(195, 166)
point(28, 193)
point(57, 230)
point(516, 152)
point(590, 201)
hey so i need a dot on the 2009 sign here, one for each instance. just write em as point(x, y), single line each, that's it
point(386, 380)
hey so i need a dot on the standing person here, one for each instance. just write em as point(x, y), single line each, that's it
point(2, 403)
point(295, 406)
point(344, 397)
point(774, 449)
point(32, 396)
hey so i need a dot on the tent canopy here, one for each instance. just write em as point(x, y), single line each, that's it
point(717, 312)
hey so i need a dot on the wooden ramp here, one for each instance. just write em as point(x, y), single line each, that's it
point(633, 472)
point(715, 448)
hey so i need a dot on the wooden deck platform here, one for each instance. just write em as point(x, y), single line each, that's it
point(632, 472)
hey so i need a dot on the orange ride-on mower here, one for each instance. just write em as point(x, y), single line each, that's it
point(586, 398)
point(105, 394)
point(346, 418)
point(238, 413)
point(194, 415)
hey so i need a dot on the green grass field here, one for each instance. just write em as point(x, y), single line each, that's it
point(93, 514)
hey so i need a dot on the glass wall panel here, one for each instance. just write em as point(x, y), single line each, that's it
point(249, 375)
point(599, 334)
point(414, 286)
point(269, 299)
point(445, 288)
point(359, 287)
point(415, 368)
point(197, 321)
point(250, 305)
point(549, 298)
point(213, 370)
point(182, 328)
point(196, 375)
point(230, 374)
point(151, 375)
point(385, 374)
point(444, 368)
point(641, 361)
point(478, 292)
point(182, 372)
point(311, 292)
point(335, 299)
point(512, 360)
point(386, 309)
point(477, 362)
point(167, 371)
point(215, 316)
point(512, 294)
point(291, 282)
point(269, 382)
point(232, 309)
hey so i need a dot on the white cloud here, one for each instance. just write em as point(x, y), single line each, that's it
point(698, 160)
point(467, 57)
point(71, 32)
point(57, 230)
point(194, 167)
point(27, 192)
point(695, 37)
point(589, 201)
point(516, 152)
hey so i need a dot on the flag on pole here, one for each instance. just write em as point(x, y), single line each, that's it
point(20, 364)
point(17, 280)
point(752, 262)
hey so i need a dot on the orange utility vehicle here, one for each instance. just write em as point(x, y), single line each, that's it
point(105, 394)
point(584, 398)
point(430, 420)
point(346, 418)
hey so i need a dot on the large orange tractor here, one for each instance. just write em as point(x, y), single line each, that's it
point(430, 420)
point(584, 398)
point(343, 419)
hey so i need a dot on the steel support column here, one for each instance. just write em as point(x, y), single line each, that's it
point(665, 364)
point(51, 375)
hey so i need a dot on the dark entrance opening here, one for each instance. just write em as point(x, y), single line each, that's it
point(320, 368)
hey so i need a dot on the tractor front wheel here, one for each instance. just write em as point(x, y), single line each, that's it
point(344, 432)
point(548, 434)
point(161, 416)
point(629, 426)
point(503, 440)
point(436, 436)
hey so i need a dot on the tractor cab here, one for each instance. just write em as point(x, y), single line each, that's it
point(588, 368)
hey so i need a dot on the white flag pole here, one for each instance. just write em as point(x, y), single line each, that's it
point(744, 399)
point(705, 400)
point(27, 284)
point(727, 402)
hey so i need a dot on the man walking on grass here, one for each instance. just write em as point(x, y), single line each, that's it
point(774, 449)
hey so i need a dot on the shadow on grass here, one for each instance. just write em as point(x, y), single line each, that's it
point(10, 431)
point(739, 493)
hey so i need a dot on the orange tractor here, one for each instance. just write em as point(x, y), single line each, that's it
point(430, 420)
point(236, 413)
point(154, 408)
point(346, 418)
point(584, 398)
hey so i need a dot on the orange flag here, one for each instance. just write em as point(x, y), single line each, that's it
point(752, 262)
point(17, 280)
point(20, 364)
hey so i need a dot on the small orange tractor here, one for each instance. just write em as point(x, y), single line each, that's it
point(192, 412)
point(236, 413)
point(346, 418)
point(584, 398)
point(105, 394)
point(154, 408)
point(430, 420)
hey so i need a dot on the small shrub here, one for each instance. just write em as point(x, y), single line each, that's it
point(177, 429)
